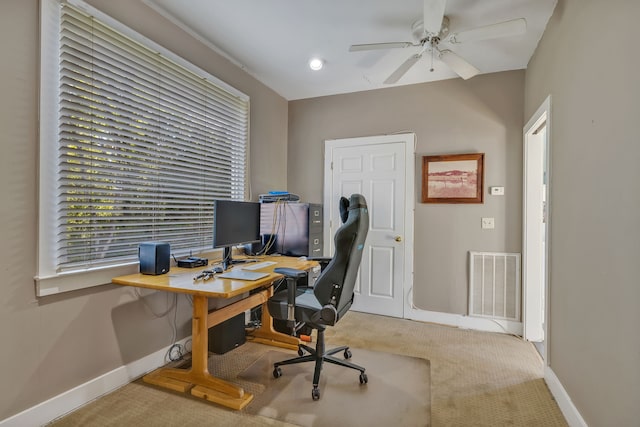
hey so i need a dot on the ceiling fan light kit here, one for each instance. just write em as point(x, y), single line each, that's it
point(432, 30)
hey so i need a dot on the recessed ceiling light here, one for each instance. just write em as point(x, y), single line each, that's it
point(316, 64)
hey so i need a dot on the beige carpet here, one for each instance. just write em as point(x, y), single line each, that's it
point(398, 392)
point(477, 379)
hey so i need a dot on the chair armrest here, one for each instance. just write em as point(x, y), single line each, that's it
point(290, 272)
point(292, 275)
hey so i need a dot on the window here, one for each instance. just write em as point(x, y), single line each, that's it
point(135, 144)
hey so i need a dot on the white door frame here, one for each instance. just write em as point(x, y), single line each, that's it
point(409, 141)
point(531, 290)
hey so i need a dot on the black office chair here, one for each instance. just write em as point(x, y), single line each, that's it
point(331, 296)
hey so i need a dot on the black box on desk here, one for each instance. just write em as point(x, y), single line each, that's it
point(154, 257)
point(227, 335)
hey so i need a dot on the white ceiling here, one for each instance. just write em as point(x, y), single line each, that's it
point(273, 40)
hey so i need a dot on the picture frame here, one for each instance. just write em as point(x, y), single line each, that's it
point(453, 178)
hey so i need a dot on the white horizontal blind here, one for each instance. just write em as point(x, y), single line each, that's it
point(145, 145)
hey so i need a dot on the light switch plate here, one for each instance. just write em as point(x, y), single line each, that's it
point(488, 223)
point(496, 191)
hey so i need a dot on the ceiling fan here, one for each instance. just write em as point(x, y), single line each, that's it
point(432, 30)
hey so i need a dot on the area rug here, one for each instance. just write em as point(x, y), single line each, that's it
point(398, 392)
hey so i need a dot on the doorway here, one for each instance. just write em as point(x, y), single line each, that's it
point(380, 168)
point(536, 190)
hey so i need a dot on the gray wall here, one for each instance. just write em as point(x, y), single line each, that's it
point(483, 114)
point(588, 60)
point(50, 345)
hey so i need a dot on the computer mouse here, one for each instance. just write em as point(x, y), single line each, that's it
point(217, 269)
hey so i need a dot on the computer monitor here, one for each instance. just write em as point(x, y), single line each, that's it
point(234, 223)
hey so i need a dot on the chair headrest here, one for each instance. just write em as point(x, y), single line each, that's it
point(357, 201)
point(344, 209)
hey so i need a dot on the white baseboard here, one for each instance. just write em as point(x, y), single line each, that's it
point(72, 399)
point(465, 322)
point(570, 412)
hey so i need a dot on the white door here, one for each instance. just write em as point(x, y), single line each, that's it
point(535, 225)
point(381, 169)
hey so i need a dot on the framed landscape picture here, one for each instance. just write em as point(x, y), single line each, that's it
point(453, 178)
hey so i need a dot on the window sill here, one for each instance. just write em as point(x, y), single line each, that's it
point(75, 280)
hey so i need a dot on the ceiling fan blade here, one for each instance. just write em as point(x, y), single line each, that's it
point(376, 46)
point(460, 66)
point(433, 12)
point(402, 69)
point(501, 29)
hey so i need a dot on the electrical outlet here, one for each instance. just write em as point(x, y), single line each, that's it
point(488, 223)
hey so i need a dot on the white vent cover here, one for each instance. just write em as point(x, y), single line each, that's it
point(494, 285)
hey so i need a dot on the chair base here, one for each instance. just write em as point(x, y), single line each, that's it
point(319, 356)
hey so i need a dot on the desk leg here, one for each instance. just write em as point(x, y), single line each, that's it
point(265, 334)
point(197, 379)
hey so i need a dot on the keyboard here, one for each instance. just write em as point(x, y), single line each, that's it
point(259, 265)
point(242, 275)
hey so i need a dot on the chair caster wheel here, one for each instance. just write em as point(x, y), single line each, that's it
point(300, 352)
point(363, 378)
point(347, 354)
point(277, 372)
point(315, 394)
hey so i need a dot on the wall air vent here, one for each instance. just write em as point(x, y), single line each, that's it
point(494, 285)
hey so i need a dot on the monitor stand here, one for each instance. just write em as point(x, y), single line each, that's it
point(228, 261)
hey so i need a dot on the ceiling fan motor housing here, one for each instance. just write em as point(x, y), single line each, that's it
point(420, 35)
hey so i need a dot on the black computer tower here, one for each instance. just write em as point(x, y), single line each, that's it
point(227, 335)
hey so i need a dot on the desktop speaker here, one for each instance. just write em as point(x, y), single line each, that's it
point(154, 257)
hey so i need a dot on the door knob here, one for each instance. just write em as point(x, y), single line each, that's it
point(398, 239)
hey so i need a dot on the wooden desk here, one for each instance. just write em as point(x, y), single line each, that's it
point(197, 379)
